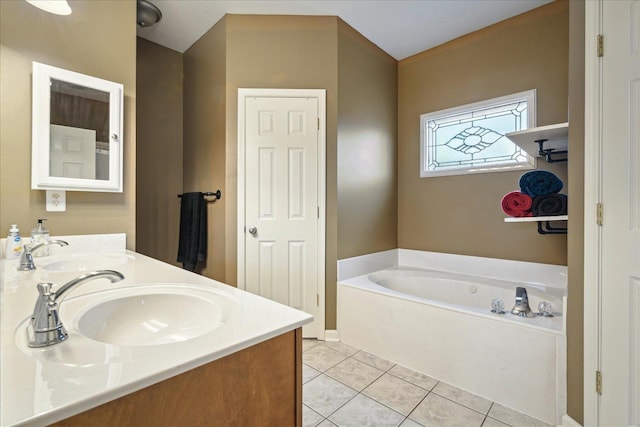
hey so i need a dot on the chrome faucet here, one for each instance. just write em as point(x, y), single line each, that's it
point(522, 304)
point(26, 260)
point(45, 328)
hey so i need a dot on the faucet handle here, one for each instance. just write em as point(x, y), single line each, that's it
point(44, 288)
point(44, 298)
point(545, 309)
point(45, 313)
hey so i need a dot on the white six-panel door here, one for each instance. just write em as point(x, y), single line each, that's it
point(283, 230)
point(612, 249)
point(620, 342)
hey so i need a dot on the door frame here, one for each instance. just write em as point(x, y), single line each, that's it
point(593, 168)
point(320, 95)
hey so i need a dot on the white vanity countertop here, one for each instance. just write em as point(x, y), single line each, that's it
point(42, 386)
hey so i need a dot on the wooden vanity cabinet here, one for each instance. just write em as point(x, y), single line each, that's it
point(257, 386)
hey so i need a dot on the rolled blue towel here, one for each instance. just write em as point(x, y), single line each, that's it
point(540, 183)
point(549, 205)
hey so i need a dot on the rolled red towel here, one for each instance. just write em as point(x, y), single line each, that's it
point(517, 204)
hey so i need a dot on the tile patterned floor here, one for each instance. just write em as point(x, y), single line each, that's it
point(345, 387)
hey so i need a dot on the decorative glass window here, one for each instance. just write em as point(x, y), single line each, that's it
point(471, 138)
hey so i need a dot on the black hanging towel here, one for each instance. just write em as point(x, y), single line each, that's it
point(192, 246)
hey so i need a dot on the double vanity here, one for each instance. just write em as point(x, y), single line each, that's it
point(162, 346)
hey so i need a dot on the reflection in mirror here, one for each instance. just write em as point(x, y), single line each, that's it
point(77, 131)
point(79, 138)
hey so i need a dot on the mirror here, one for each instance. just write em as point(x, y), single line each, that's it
point(76, 131)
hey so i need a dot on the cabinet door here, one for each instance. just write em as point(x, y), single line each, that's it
point(257, 386)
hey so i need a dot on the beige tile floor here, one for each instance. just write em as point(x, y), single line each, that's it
point(345, 387)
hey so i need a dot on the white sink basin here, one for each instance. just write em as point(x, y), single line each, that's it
point(82, 262)
point(149, 315)
point(101, 324)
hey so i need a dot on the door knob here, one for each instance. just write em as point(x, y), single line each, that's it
point(253, 230)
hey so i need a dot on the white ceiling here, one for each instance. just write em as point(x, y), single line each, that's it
point(400, 27)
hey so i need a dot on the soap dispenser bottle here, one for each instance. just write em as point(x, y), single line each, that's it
point(14, 243)
point(40, 235)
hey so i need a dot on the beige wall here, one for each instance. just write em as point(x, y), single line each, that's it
point(97, 39)
point(205, 137)
point(575, 302)
point(250, 52)
point(159, 147)
point(295, 52)
point(462, 214)
point(367, 141)
point(245, 51)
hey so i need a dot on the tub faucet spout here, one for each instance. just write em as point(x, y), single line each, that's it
point(522, 308)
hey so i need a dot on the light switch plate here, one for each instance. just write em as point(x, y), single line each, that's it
point(56, 201)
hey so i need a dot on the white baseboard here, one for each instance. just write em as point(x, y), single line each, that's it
point(331, 335)
point(567, 421)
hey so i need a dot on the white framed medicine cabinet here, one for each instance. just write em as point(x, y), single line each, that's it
point(76, 136)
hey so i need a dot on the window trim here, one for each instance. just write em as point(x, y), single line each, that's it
point(529, 95)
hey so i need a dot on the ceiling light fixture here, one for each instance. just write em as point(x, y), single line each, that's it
point(57, 7)
point(148, 14)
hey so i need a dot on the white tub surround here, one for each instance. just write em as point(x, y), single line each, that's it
point(42, 386)
point(450, 333)
point(516, 271)
point(365, 264)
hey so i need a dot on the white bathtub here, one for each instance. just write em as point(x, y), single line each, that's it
point(440, 323)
